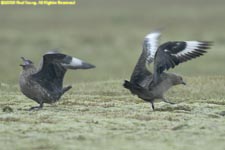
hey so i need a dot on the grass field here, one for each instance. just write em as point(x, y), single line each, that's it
point(98, 113)
point(103, 115)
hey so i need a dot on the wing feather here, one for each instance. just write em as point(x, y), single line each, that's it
point(141, 75)
point(171, 54)
point(51, 72)
point(150, 45)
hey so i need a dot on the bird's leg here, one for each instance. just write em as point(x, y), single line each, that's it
point(65, 89)
point(37, 107)
point(152, 105)
point(165, 100)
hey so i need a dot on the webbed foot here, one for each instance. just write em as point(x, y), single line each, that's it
point(36, 108)
point(166, 101)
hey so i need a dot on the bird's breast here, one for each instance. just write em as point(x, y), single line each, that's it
point(161, 88)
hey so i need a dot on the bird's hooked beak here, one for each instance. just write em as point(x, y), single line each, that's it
point(23, 59)
point(25, 62)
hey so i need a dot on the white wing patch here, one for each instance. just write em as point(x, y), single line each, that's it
point(151, 44)
point(191, 46)
point(76, 62)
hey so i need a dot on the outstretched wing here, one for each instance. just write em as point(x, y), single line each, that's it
point(141, 75)
point(171, 54)
point(53, 69)
point(51, 72)
point(150, 45)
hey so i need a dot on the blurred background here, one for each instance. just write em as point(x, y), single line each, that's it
point(109, 34)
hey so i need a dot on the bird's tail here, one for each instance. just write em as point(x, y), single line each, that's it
point(133, 87)
point(127, 84)
point(65, 89)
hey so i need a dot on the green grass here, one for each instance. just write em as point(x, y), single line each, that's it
point(109, 34)
point(104, 115)
point(98, 113)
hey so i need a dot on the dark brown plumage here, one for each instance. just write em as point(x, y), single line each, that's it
point(148, 86)
point(45, 85)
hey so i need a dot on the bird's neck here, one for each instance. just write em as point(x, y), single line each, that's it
point(29, 70)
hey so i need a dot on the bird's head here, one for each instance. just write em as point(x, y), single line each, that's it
point(26, 63)
point(177, 79)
